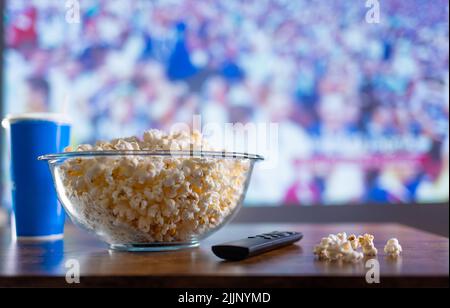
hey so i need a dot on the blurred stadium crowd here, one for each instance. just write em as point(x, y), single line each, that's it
point(362, 108)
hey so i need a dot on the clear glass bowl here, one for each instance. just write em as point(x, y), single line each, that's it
point(149, 201)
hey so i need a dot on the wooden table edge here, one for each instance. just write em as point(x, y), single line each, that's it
point(226, 281)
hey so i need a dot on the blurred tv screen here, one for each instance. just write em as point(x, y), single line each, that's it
point(361, 106)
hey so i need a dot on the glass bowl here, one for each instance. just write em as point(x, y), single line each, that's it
point(150, 201)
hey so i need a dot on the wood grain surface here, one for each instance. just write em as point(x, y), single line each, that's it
point(424, 263)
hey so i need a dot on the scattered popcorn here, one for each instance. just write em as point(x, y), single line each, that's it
point(342, 236)
point(321, 249)
point(337, 247)
point(366, 240)
point(370, 251)
point(340, 247)
point(334, 251)
point(354, 241)
point(393, 248)
point(353, 257)
point(153, 198)
point(368, 247)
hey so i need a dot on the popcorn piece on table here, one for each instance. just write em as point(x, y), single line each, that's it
point(321, 249)
point(370, 251)
point(337, 247)
point(349, 254)
point(342, 237)
point(334, 251)
point(354, 241)
point(340, 247)
point(353, 257)
point(393, 248)
point(368, 247)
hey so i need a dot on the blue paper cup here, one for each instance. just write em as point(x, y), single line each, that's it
point(37, 213)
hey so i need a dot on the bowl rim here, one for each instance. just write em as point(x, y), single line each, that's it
point(164, 153)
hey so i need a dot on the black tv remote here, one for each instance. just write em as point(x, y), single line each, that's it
point(255, 245)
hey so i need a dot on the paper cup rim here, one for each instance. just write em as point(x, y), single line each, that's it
point(49, 117)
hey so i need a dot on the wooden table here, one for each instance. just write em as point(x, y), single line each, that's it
point(425, 261)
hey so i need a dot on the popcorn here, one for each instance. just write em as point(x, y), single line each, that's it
point(337, 247)
point(353, 257)
point(153, 198)
point(340, 247)
point(366, 240)
point(370, 251)
point(342, 236)
point(393, 248)
point(321, 249)
point(354, 241)
point(368, 247)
